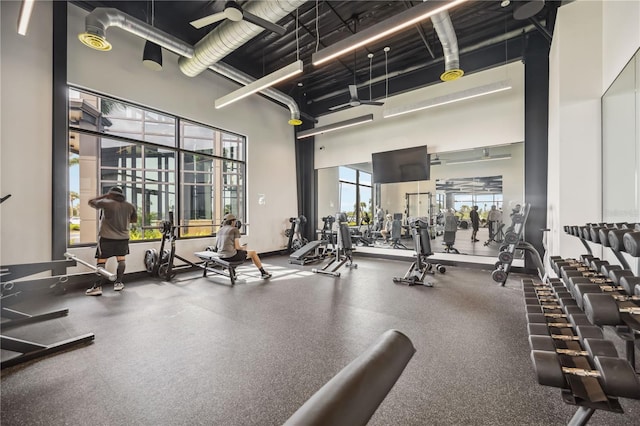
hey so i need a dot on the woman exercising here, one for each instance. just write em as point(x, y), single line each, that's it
point(230, 249)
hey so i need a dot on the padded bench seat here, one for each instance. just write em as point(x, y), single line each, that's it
point(213, 263)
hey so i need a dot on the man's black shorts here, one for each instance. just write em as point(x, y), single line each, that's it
point(108, 248)
point(240, 256)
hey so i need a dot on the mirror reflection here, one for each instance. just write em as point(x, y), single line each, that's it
point(379, 215)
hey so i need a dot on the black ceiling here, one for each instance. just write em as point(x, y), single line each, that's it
point(486, 31)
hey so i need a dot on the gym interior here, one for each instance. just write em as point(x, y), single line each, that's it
point(537, 326)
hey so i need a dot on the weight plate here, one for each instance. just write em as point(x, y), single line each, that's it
point(499, 276)
point(505, 257)
point(510, 238)
point(150, 259)
point(163, 272)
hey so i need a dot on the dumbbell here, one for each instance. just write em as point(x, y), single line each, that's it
point(629, 283)
point(569, 310)
point(583, 289)
point(594, 347)
point(569, 263)
point(602, 309)
point(595, 232)
point(616, 238)
point(531, 286)
point(615, 375)
point(631, 242)
point(580, 332)
point(573, 281)
point(574, 320)
point(616, 274)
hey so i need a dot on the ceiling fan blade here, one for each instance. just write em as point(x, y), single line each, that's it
point(208, 20)
point(249, 17)
point(371, 103)
point(353, 91)
point(339, 107)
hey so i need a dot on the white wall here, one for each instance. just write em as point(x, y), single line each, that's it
point(592, 42)
point(25, 135)
point(489, 120)
point(328, 193)
point(120, 73)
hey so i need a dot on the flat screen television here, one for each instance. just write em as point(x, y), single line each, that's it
point(401, 165)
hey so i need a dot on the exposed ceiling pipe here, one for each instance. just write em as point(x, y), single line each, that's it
point(100, 19)
point(498, 39)
point(447, 35)
point(230, 35)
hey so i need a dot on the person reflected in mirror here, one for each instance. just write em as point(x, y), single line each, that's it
point(475, 223)
point(493, 219)
point(386, 228)
point(379, 219)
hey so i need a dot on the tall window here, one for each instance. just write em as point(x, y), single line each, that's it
point(356, 195)
point(163, 163)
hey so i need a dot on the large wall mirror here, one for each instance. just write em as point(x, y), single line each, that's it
point(621, 146)
point(486, 177)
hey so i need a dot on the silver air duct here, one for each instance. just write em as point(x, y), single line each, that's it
point(230, 35)
point(100, 19)
point(447, 35)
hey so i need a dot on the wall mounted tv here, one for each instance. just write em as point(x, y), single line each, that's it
point(401, 165)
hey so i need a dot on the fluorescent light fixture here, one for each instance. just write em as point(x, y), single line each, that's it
point(383, 29)
point(335, 126)
point(25, 15)
point(261, 84)
point(449, 99)
point(478, 160)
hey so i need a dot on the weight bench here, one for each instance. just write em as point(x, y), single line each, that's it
point(213, 263)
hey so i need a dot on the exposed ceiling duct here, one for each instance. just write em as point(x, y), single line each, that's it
point(100, 19)
point(447, 35)
point(230, 35)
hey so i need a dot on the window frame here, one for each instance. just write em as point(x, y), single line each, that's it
point(218, 160)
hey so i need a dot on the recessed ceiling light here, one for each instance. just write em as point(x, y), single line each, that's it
point(505, 3)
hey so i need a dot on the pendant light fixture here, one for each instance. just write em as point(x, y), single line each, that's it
point(152, 55)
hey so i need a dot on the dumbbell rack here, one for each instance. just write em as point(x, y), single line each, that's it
point(513, 238)
point(572, 335)
point(620, 237)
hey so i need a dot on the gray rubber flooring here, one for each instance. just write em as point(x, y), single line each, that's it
point(200, 352)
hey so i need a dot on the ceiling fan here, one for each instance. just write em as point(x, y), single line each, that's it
point(354, 101)
point(234, 12)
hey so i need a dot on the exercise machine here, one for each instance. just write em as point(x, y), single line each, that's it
point(316, 250)
point(344, 250)
point(449, 235)
point(421, 266)
point(160, 263)
point(11, 285)
point(294, 233)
